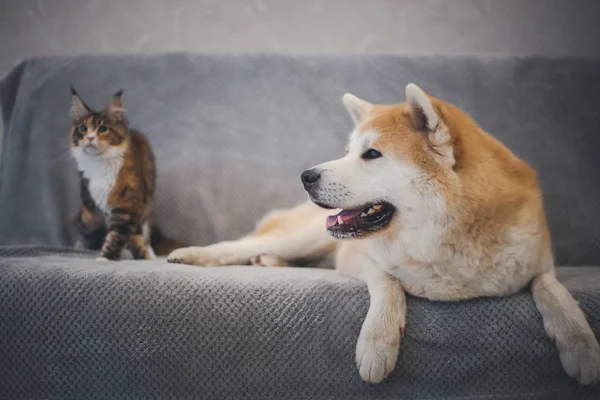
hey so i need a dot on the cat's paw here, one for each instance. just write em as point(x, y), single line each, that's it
point(151, 254)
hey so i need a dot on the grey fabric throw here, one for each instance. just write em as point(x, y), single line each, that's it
point(72, 327)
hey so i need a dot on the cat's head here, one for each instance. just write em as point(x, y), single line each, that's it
point(95, 132)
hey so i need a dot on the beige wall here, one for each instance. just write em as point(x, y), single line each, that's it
point(41, 27)
point(34, 27)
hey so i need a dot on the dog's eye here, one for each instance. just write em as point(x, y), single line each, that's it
point(102, 129)
point(371, 154)
point(83, 128)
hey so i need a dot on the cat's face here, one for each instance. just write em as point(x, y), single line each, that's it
point(94, 133)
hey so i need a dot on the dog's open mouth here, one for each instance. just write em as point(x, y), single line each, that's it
point(360, 221)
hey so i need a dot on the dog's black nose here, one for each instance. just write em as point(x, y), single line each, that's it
point(309, 178)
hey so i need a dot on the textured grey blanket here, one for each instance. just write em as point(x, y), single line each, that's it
point(74, 327)
point(231, 135)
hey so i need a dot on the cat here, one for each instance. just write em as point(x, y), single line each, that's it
point(118, 176)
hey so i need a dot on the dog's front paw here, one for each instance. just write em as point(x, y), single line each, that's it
point(582, 363)
point(376, 354)
point(198, 256)
point(268, 260)
point(102, 259)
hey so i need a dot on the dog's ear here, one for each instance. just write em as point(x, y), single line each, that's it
point(78, 108)
point(421, 109)
point(358, 108)
point(426, 119)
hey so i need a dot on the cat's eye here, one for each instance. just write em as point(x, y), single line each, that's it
point(371, 154)
point(83, 128)
point(102, 129)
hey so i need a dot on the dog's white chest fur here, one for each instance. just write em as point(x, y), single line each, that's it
point(441, 269)
point(101, 172)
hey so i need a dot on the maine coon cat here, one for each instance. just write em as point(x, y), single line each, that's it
point(118, 175)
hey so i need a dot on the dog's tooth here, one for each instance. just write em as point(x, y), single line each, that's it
point(364, 214)
point(371, 211)
point(340, 221)
point(377, 207)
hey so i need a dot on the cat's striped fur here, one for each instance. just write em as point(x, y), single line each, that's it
point(117, 177)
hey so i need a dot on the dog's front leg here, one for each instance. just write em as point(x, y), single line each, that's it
point(236, 252)
point(280, 238)
point(379, 340)
point(567, 325)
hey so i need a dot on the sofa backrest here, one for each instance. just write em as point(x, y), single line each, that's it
point(233, 133)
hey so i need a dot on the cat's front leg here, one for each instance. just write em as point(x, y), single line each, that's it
point(140, 249)
point(89, 220)
point(120, 226)
point(91, 227)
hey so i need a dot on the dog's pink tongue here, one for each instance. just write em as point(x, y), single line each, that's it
point(344, 215)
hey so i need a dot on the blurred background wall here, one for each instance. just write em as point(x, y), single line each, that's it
point(36, 27)
point(505, 27)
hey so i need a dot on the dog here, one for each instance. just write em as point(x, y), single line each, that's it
point(426, 203)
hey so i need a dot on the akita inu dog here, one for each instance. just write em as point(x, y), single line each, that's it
point(432, 206)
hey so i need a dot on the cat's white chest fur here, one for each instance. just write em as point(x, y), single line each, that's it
point(101, 172)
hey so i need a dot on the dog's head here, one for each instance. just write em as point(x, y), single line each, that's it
point(399, 159)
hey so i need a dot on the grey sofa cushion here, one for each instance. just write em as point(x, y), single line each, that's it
point(233, 133)
point(71, 327)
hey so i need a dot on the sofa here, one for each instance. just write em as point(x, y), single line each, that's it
point(231, 135)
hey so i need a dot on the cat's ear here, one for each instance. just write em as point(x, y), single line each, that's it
point(115, 109)
point(78, 108)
